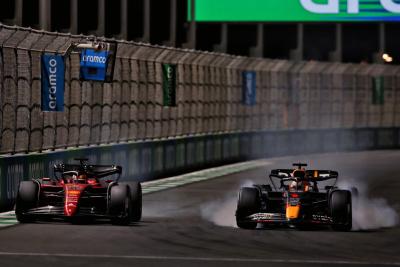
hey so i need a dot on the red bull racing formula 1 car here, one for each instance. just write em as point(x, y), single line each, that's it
point(80, 191)
point(295, 199)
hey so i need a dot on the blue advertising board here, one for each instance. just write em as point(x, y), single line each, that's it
point(249, 87)
point(94, 64)
point(52, 82)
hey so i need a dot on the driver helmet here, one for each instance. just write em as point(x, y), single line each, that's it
point(72, 178)
point(82, 177)
point(299, 173)
point(293, 186)
point(301, 184)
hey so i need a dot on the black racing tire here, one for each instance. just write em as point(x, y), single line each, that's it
point(135, 190)
point(248, 203)
point(119, 204)
point(341, 210)
point(27, 198)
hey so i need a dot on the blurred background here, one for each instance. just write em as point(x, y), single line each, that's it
point(223, 26)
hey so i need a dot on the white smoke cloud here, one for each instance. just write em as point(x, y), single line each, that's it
point(222, 211)
point(369, 213)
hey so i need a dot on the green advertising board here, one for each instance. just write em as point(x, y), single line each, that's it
point(294, 10)
point(378, 97)
point(169, 85)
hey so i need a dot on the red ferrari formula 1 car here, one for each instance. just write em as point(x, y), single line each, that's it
point(80, 191)
point(296, 200)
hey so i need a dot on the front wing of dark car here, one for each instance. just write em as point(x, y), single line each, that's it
point(280, 218)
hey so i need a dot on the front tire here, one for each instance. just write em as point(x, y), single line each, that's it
point(27, 198)
point(248, 204)
point(341, 210)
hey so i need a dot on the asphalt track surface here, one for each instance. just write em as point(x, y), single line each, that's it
point(174, 233)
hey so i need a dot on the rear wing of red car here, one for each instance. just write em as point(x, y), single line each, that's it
point(98, 171)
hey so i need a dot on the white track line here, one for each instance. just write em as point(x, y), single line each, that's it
point(204, 259)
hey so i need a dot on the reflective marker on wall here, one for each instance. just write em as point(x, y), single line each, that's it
point(249, 87)
point(52, 82)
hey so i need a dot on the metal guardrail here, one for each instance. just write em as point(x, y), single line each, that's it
point(290, 95)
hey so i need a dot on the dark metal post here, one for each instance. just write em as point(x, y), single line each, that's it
point(124, 20)
point(377, 57)
point(258, 50)
point(146, 22)
point(382, 38)
point(18, 12)
point(297, 54)
point(45, 15)
point(336, 55)
point(223, 45)
point(172, 24)
point(191, 40)
point(74, 17)
point(101, 25)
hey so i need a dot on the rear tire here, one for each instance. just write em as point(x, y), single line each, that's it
point(135, 190)
point(119, 204)
point(27, 198)
point(340, 207)
point(248, 204)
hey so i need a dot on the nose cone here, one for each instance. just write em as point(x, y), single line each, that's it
point(72, 195)
point(292, 212)
point(70, 209)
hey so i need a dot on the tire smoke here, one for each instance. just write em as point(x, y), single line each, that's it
point(221, 211)
point(369, 213)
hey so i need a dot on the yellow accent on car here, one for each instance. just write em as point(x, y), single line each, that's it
point(315, 174)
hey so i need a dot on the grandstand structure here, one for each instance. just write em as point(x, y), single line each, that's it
point(166, 23)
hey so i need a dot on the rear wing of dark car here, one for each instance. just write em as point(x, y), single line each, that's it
point(318, 175)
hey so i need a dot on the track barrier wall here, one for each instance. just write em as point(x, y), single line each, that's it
point(300, 107)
